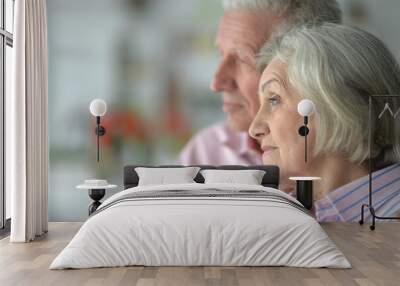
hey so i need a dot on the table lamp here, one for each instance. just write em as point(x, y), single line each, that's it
point(304, 185)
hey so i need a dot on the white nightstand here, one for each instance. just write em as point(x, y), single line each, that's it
point(97, 190)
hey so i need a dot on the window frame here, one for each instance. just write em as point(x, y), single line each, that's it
point(6, 39)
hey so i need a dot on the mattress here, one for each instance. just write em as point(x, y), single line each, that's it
point(201, 225)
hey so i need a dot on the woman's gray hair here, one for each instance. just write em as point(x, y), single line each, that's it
point(293, 12)
point(339, 68)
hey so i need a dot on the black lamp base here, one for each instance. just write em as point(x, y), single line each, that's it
point(304, 193)
point(96, 195)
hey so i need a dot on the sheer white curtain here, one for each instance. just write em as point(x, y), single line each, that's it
point(26, 123)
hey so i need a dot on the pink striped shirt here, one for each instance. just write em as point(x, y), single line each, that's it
point(344, 203)
point(220, 145)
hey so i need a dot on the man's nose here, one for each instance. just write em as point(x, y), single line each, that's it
point(223, 79)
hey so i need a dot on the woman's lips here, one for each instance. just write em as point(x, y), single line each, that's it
point(268, 149)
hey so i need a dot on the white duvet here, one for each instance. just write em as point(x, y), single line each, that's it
point(200, 231)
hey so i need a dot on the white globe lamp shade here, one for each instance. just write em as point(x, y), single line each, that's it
point(305, 107)
point(98, 107)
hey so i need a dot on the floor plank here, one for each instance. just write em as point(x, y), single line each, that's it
point(374, 255)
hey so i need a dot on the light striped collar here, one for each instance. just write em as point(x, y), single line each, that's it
point(344, 203)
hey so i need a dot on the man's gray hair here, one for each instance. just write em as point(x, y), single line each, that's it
point(293, 12)
point(339, 68)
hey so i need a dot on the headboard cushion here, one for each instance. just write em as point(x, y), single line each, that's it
point(270, 179)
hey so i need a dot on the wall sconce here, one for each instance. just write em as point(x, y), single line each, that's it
point(305, 108)
point(98, 108)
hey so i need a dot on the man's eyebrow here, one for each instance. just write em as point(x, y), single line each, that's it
point(245, 53)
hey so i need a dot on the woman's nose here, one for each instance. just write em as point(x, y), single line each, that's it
point(224, 79)
point(259, 126)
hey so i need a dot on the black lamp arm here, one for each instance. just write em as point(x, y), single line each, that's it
point(100, 131)
point(303, 131)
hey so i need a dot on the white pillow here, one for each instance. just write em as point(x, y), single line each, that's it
point(248, 177)
point(162, 176)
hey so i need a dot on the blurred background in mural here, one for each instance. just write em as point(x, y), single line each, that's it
point(152, 62)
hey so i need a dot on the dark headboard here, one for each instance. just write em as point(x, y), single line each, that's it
point(270, 179)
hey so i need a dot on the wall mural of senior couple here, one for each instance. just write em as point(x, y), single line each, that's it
point(162, 111)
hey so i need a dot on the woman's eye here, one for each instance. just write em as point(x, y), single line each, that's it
point(274, 100)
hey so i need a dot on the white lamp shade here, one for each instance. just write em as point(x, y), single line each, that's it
point(305, 107)
point(98, 107)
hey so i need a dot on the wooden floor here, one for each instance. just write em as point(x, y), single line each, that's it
point(375, 257)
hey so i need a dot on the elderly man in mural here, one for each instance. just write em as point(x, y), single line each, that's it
point(245, 26)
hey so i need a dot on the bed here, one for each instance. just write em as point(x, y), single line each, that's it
point(201, 224)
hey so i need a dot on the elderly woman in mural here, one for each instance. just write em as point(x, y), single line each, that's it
point(338, 68)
